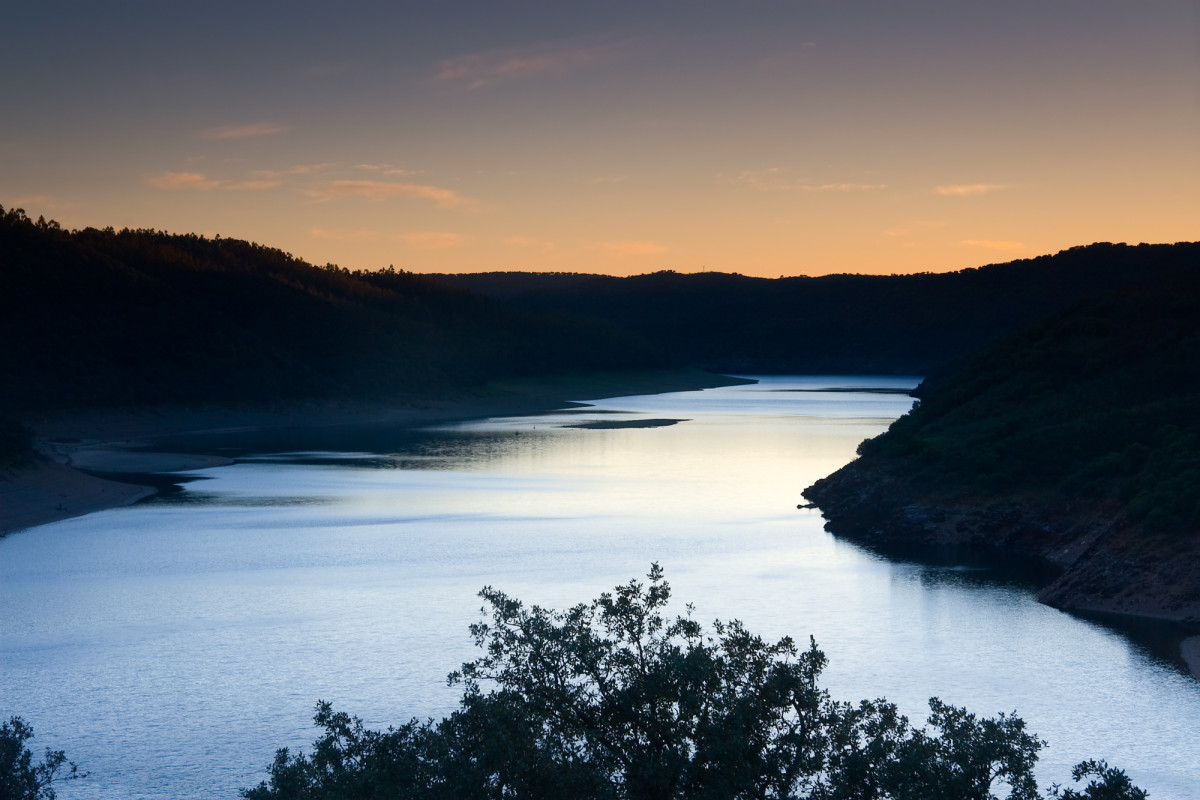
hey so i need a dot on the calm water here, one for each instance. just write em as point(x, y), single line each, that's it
point(170, 647)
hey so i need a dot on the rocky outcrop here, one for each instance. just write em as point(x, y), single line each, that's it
point(1087, 556)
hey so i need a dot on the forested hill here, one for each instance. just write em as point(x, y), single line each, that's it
point(1077, 442)
point(894, 324)
point(103, 317)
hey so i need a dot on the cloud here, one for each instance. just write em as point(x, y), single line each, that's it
point(308, 169)
point(842, 187)
point(384, 169)
point(607, 180)
point(529, 243)
point(775, 179)
point(991, 244)
point(433, 240)
point(42, 202)
point(382, 190)
point(182, 180)
point(259, 181)
point(252, 186)
point(971, 189)
point(242, 131)
point(641, 248)
point(492, 67)
point(762, 180)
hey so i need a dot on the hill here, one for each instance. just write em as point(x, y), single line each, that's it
point(835, 324)
point(102, 318)
point(1075, 444)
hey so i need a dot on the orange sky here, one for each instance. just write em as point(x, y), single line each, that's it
point(767, 138)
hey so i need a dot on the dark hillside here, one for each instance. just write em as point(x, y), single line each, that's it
point(512, 284)
point(1076, 443)
point(896, 324)
point(103, 317)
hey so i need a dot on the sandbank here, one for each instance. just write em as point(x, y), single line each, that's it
point(610, 424)
point(42, 491)
point(115, 441)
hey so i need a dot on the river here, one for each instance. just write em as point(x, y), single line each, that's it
point(171, 646)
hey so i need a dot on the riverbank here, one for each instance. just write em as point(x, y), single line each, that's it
point(70, 445)
point(1084, 557)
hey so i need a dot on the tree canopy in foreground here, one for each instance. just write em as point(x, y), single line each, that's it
point(617, 699)
point(20, 777)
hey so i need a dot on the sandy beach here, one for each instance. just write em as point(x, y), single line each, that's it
point(57, 484)
point(46, 491)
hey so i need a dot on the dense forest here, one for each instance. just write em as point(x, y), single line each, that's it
point(103, 317)
point(835, 324)
point(1076, 441)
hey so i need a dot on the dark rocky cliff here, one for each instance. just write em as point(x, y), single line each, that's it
point(1086, 554)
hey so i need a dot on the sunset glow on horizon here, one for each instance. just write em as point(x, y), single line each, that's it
point(765, 138)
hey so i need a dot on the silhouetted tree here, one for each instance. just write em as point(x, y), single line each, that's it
point(20, 778)
point(616, 700)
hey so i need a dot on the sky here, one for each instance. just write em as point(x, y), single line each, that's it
point(765, 137)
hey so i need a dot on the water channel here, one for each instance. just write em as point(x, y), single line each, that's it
point(170, 647)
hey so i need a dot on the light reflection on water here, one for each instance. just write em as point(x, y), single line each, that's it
point(171, 647)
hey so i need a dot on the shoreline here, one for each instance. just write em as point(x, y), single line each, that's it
point(56, 484)
point(43, 491)
point(1088, 561)
point(1190, 650)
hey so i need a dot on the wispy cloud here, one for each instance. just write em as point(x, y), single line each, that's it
point(608, 180)
point(971, 189)
point(529, 243)
point(770, 179)
point(638, 248)
point(992, 244)
point(250, 131)
point(382, 190)
point(252, 186)
point(492, 67)
point(842, 187)
point(776, 179)
point(385, 169)
point(433, 240)
point(309, 169)
point(182, 180)
point(42, 202)
point(199, 181)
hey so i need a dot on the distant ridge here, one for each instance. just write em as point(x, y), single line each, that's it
point(889, 324)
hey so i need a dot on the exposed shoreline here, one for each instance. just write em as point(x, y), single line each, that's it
point(1080, 557)
point(56, 485)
